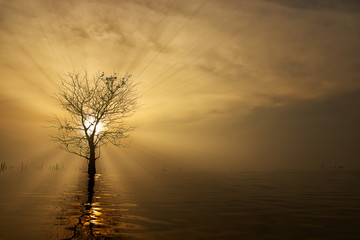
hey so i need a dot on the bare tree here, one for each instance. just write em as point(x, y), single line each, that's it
point(97, 108)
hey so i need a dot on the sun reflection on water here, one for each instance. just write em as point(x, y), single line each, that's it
point(96, 213)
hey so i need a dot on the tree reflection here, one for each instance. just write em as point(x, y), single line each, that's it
point(89, 224)
point(84, 227)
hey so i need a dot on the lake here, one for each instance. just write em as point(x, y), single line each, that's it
point(59, 203)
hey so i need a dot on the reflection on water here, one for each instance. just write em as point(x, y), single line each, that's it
point(96, 213)
point(174, 206)
point(90, 217)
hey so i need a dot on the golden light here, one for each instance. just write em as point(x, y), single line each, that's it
point(91, 124)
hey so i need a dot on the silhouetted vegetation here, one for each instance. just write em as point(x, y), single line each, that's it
point(97, 110)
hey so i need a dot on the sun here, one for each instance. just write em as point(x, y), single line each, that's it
point(90, 123)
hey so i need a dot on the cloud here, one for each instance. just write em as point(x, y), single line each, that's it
point(335, 5)
point(77, 31)
point(204, 66)
point(305, 133)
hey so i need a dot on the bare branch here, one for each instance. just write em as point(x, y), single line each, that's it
point(97, 110)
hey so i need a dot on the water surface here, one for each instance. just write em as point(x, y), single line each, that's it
point(65, 204)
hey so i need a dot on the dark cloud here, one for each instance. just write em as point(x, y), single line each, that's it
point(305, 133)
point(77, 31)
point(336, 5)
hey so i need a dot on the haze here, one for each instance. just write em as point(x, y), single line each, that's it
point(247, 85)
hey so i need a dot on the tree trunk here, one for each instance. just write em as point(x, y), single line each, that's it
point(91, 184)
point(91, 161)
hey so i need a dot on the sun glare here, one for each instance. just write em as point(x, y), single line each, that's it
point(90, 123)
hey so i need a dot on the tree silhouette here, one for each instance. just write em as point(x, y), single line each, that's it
point(97, 112)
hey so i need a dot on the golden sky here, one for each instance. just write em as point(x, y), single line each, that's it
point(247, 84)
